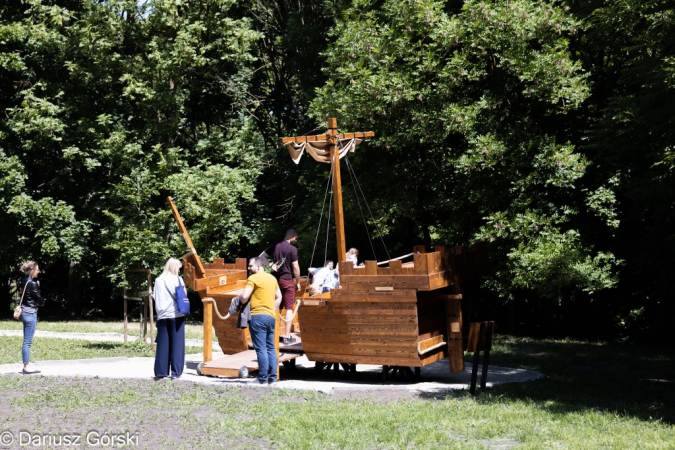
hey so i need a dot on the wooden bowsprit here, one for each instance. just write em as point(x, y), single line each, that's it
point(198, 262)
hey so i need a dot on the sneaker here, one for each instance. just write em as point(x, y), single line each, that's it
point(289, 340)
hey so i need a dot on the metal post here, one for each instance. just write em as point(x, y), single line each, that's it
point(152, 312)
point(125, 315)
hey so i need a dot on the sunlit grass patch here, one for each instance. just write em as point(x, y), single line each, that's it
point(71, 395)
point(317, 421)
point(45, 349)
point(192, 330)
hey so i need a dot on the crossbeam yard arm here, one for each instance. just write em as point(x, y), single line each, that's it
point(320, 147)
point(329, 148)
point(325, 137)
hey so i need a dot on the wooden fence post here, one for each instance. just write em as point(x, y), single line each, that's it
point(480, 339)
point(208, 332)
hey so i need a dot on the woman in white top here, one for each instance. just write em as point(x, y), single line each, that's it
point(170, 354)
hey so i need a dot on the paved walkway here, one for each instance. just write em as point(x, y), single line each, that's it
point(434, 377)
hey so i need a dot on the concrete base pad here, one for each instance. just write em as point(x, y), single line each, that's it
point(434, 377)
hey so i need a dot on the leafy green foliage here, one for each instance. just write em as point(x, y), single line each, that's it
point(467, 105)
point(628, 47)
point(543, 128)
point(109, 108)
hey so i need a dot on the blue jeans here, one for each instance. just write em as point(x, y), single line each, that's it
point(261, 328)
point(170, 353)
point(29, 324)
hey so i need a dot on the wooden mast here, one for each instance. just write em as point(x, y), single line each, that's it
point(332, 137)
point(337, 190)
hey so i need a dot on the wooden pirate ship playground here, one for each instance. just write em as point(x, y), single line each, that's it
point(402, 316)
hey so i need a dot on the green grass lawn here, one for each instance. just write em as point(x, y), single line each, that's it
point(44, 349)
point(216, 417)
point(622, 379)
point(192, 330)
point(593, 396)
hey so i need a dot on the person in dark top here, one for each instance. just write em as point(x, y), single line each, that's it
point(32, 300)
point(285, 268)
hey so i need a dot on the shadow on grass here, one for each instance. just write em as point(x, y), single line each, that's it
point(103, 345)
point(626, 379)
point(134, 348)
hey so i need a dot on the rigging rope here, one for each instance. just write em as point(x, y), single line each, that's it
point(295, 311)
point(330, 204)
point(318, 228)
point(312, 131)
point(220, 316)
point(215, 307)
point(351, 169)
point(358, 201)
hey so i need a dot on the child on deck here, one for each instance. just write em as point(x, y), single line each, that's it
point(353, 256)
point(322, 279)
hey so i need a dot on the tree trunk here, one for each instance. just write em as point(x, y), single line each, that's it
point(73, 289)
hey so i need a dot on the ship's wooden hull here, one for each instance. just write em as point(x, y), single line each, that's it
point(403, 315)
point(396, 316)
point(381, 332)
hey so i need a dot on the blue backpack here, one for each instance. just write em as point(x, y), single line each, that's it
point(182, 301)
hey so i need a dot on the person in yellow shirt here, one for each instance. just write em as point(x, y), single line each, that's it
point(262, 290)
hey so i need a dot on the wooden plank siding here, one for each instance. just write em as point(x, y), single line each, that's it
point(189, 277)
point(362, 325)
point(230, 338)
point(419, 282)
point(401, 315)
point(428, 272)
point(227, 279)
point(355, 327)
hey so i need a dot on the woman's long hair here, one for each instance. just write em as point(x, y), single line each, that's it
point(172, 267)
point(28, 267)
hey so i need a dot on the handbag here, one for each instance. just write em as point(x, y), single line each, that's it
point(18, 310)
point(182, 300)
point(279, 264)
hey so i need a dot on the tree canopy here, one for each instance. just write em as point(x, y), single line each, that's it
point(543, 128)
